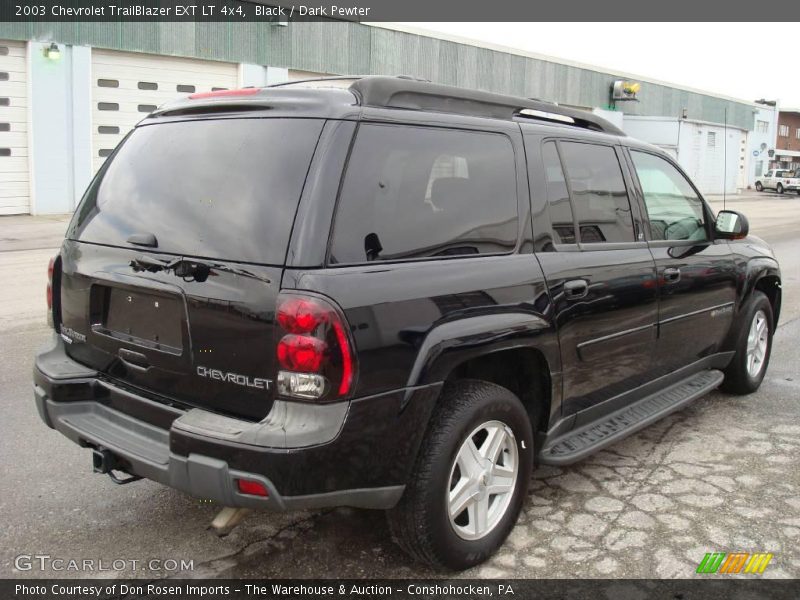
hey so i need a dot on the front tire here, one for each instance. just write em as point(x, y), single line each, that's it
point(779, 189)
point(470, 479)
point(746, 370)
point(759, 187)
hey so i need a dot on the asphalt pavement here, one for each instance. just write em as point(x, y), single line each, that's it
point(719, 476)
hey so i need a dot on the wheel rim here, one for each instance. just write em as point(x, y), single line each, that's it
point(757, 340)
point(482, 480)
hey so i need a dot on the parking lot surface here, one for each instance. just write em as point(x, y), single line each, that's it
point(719, 476)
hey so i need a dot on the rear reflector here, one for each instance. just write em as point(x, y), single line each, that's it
point(223, 93)
point(252, 488)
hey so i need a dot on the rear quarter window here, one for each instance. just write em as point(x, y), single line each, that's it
point(415, 192)
point(219, 188)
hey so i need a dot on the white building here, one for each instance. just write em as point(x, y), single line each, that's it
point(761, 141)
point(713, 155)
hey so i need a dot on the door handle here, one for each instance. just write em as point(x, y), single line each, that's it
point(576, 289)
point(672, 275)
point(133, 360)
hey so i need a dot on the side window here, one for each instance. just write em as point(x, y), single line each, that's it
point(674, 209)
point(557, 196)
point(417, 192)
point(599, 196)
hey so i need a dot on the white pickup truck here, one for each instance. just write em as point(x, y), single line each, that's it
point(780, 180)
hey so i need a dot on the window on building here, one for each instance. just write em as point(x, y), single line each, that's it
point(599, 196)
point(673, 207)
point(783, 130)
point(558, 197)
point(797, 133)
point(759, 168)
point(416, 192)
point(712, 139)
point(762, 126)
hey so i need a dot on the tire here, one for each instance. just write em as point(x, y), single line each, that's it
point(779, 189)
point(421, 523)
point(759, 187)
point(740, 378)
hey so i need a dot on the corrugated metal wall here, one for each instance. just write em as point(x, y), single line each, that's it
point(351, 48)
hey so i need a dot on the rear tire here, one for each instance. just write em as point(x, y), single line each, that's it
point(746, 370)
point(759, 187)
point(428, 522)
point(779, 189)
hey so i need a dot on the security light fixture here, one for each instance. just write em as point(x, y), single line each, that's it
point(52, 52)
point(625, 90)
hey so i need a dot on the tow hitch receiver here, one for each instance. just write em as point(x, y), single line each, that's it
point(104, 461)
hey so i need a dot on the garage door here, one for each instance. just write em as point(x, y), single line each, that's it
point(126, 86)
point(14, 187)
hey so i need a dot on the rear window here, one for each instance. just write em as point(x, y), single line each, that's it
point(225, 189)
point(416, 192)
point(599, 195)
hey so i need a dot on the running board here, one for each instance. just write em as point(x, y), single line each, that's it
point(579, 443)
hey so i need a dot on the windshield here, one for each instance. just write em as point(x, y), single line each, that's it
point(225, 188)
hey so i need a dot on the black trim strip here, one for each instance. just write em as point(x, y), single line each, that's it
point(695, 313)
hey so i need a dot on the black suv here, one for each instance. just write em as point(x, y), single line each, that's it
point(391, 294)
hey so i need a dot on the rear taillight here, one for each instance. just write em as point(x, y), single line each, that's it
point(315, 350)
point(51, 267)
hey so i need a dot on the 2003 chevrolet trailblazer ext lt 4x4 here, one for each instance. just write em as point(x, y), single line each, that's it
point(386, 293)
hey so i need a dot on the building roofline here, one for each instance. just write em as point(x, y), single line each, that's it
point(553, 59)
point(678, 119)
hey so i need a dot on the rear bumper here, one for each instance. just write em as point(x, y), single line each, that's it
point(356, 453)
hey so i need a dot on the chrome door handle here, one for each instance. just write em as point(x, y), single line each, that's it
point(672, 275)
point(576, 289)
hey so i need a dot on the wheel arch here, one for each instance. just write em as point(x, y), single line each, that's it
point(763, 275)
point(518, 351)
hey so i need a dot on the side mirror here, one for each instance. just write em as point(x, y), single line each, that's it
point(731, 225)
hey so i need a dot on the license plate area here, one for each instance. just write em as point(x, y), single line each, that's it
point(152, 320)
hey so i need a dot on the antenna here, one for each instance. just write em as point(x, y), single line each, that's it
point(725, 167)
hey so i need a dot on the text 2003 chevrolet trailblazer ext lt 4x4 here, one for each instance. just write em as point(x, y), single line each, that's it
point(391, 294)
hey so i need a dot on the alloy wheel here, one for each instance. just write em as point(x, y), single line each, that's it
point(483, 478)
point(757, 340)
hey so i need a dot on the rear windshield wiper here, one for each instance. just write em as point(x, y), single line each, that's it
point(188, 269)
point(152, 265)
point(194, 269)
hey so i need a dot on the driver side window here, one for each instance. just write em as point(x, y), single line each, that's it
point(673, 207)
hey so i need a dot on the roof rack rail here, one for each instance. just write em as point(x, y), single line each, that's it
point(311, 80)
point(396, 92)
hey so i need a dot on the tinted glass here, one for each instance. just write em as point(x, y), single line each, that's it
point(558, 197)
point(674, 209)
point(413, 192)
point(599, 195)
point(223, 189)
